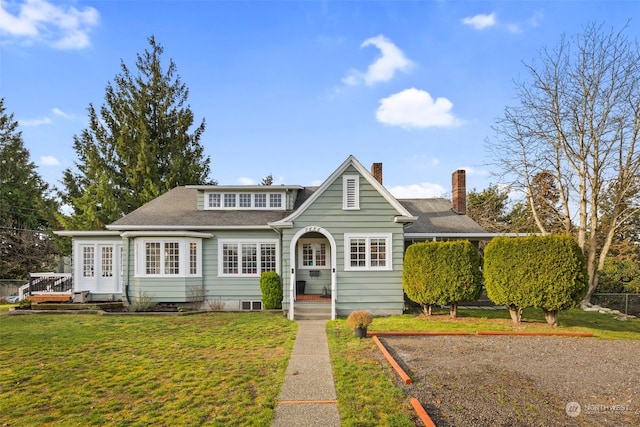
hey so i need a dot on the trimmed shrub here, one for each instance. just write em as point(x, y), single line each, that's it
point(271, 288)
point(547, 272)
point(442, 273)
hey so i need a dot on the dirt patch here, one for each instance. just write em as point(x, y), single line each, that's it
point(521, 381)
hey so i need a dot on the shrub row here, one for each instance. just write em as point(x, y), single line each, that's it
point(547, 272)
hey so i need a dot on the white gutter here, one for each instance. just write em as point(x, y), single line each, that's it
point(187, 227)
point(87, 233)
point(404, 219)
point(464, 235)
point(128, 234)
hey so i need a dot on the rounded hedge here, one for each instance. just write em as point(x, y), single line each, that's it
point(271, 288)
point(441, 272)
point(547, 272)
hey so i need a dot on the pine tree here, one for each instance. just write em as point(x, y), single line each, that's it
point(267, 180)
point(26, 208)
point(137, 147)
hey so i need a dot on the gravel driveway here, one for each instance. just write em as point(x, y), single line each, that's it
point(522, 380)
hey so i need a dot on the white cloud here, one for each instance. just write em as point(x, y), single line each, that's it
point(384, 68)
point(35, 122)
point(243, 180)
point(49, 161)
point(60, 113)
point(480, 21)
point(418, 191)
point(42, 21)
point(483, 21)
point(414, 108)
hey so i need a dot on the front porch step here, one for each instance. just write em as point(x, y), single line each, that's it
point(312, 311)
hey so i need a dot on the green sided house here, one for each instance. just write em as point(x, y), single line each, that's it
point(339, 246)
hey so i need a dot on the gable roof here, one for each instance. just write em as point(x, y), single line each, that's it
point(177, 209)
point(403, 214)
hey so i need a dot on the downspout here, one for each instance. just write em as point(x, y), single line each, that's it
point(282, 266)
point(126, 284)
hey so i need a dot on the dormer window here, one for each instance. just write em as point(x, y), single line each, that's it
point(230, 200)
point(350, 192)
point(244, 201)
point(275, 200)
point(214, 200)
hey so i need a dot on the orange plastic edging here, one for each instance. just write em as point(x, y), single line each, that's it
point(406, 333)
point(399, 370)
point(422, 414)
point(532, 333)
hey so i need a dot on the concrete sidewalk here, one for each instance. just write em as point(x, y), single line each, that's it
point(308, 396)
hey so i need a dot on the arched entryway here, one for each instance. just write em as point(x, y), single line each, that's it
point(307, 243)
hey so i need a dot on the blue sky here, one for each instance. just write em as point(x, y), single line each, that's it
point(292, 88)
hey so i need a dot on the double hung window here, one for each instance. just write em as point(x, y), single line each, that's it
point(368, 252)
point(247, 258)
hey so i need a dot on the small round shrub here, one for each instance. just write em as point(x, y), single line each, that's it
point(359, 319)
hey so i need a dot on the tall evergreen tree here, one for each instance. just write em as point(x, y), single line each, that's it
point(137, 147)
point(26, 208)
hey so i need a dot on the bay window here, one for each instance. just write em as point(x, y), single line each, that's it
point(168, 257)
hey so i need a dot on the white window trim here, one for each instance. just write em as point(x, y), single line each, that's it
point(253, 206)
point(258, 242)
point(345, 192)
point(367, 237)
point(327, 254)
point(183, 254)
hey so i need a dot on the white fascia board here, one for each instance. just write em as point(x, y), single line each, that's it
point(166, 233)
point(262, 188)
point(405, 219)
point(351, 160)
point(280, 225)
point(464, 235)
point(186, 227)
point(381, 189)
point(86, 233)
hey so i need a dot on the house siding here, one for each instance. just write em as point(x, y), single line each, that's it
point(231, 290)
point(375, 290)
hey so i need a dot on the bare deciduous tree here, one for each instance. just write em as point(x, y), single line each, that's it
point(579, 119)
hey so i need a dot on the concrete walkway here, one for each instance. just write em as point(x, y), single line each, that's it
point(308, 395)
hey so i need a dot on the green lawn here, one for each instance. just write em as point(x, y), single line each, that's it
point(215, 369)
point(605, 326)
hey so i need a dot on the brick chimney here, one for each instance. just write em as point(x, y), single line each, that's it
point(459, 192)
point(376, 171)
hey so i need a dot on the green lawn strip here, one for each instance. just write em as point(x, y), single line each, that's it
point(364, 385)
point(212, 369)
point(605, 326)
point(6, 307)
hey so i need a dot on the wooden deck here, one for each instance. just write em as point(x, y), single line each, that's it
point(50, 298)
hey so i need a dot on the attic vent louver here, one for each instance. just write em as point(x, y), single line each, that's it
point(350, 192)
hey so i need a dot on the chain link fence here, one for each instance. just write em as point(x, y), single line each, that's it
point(624, 303)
